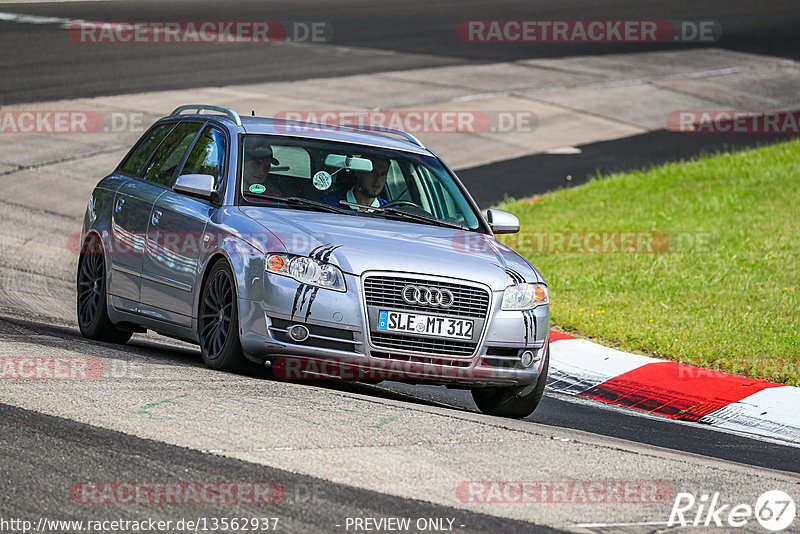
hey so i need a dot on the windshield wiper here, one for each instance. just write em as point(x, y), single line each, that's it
point(297, 201)
point(401, 213)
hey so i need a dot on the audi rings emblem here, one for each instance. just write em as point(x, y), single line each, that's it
point(428, 296)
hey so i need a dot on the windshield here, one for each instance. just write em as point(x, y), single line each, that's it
point(338, 174)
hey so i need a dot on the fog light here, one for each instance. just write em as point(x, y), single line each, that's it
point(298, 333)
point(526, 359)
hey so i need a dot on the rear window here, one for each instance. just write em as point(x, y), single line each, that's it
point(136, 159)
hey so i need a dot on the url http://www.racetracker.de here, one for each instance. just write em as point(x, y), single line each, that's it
point(198, 524)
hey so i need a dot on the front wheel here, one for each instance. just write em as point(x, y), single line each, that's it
point(218, 321)
point(93, 319)
point(515, 402)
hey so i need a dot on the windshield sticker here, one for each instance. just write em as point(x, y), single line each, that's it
point(322, 180)
point(257, 188)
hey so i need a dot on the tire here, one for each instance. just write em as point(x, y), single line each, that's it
point(218, 321)
point(506, 402)
point(92, 304)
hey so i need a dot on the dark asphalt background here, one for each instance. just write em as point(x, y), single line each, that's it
point(558, 411)
point(45, 456)
point(39, 62)
point(539, 173)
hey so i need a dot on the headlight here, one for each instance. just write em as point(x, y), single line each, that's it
point(306, 270)
point(525, 296)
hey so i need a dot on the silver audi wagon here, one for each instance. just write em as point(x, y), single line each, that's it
point(347, 252)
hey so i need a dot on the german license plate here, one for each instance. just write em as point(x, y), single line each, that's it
point(417, 323)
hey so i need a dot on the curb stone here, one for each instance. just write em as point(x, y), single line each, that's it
point(673, 390)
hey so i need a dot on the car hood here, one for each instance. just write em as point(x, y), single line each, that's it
point(358, 244)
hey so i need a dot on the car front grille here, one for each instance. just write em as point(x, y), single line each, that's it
point(443, 347)
point(421, 359)
point(386, 291)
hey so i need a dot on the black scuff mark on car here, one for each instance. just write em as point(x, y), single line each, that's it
point(322, 256)
point(302, 289)
point(326, 254)
point(532, 318)
point(527, 315)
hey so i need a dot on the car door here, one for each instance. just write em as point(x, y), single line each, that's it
point(176, 231)
point(129, 219)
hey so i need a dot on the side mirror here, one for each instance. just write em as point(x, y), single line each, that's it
point(502, 222)
point(201, 185)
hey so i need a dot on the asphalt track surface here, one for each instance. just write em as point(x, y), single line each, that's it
point(368, 36)
point(542, 173)
point(46, 455)
point(556, 410)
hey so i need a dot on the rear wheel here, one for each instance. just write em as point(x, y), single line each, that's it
point(515, 402)
point(218, 321)
point(92, 308)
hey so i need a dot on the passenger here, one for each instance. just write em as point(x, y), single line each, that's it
point(367, 187)
point(258, 159)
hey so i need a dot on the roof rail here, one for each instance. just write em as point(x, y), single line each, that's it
point(201, 107)
point(383, 129)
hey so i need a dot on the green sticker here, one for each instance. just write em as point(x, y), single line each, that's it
point(257, 188)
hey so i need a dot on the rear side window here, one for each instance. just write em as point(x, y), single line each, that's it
point(136, 160)
point(169, 155)
point(208, 154)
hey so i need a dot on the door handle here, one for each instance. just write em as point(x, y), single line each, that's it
point(156, 218)
point(119, 204)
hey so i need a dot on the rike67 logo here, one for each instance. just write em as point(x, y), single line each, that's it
point(774, 510)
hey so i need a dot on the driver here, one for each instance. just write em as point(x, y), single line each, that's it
point(368, 186)
point(258, 160)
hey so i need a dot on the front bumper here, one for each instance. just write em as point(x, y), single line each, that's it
point(340, 343)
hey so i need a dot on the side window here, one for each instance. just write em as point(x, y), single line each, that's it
point(208, 155)
point(169, 154)
point(445, 200)
point(136, 160)
point(396, 186)
point(421, 188)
